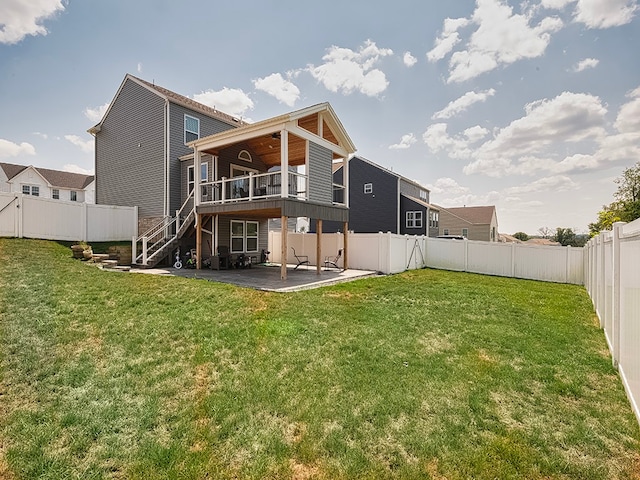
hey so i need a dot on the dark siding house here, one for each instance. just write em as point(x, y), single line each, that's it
point(383, 201)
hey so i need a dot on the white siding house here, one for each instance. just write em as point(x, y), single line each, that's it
point(47, 183)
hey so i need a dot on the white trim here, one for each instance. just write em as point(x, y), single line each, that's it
point(185, 131)
point(240, 167)
point(370, 185)
point(244, 159)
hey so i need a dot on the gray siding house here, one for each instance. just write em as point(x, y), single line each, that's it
point(203, 179)
point(383, 201)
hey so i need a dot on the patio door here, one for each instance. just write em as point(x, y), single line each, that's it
point(240, 187)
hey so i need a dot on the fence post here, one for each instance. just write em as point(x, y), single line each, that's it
point(601, 279)
point(615, 300)
point(20, 216)
point(513, 260)
point(466, 254)
point(567, 263)
point(84, 223)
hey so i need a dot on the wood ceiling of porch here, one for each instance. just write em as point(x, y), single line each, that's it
point(267, 147)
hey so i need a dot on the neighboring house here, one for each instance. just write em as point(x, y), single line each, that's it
point(542, 242)
point(474, 223)
point(47, 183)
point(383, 201)
point(209, 180)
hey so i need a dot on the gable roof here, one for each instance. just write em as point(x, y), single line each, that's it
point(419, 201)
point(55, 178)
point(386, 170)
point(172, 97)
point(474, 215)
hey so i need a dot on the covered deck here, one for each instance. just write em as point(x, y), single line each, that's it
point(306, 144)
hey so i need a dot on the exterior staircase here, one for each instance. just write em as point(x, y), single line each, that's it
point(158, 242)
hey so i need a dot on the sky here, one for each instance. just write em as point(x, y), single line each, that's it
point(532, 106)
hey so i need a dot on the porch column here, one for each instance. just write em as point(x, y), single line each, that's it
point(283, 245)
point(345, 251)
point(284, 163)
point(318, 245)
point(196, 176)
point(216, 239)
point(199, 241)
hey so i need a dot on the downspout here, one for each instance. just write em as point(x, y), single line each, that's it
point(398, 209)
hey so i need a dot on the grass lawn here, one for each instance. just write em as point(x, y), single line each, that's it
point(426, 374)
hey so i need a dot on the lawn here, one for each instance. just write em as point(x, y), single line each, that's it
point(425, 374)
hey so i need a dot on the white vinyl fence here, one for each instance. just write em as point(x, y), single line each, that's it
point(390, 253)
point(612, 266)
point(35, 217)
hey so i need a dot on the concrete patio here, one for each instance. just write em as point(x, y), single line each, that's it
point(267, 278)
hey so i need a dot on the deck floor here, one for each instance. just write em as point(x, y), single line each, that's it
point(267, 278)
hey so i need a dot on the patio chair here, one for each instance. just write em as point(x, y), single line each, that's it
point(301, 259)
point(333, 261)
point(222, 260)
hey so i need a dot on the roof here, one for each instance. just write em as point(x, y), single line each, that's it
point(172, 97)
point(56, 178)
point(482, 215)
point(420, 202)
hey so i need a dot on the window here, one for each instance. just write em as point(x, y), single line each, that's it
point(74, 196)
point(465, 232)
point(56, 194)
point(414, 219)
point(433, 219)
point(424, 196)
point(244, 155)
point(204, 177)
point(368, 188)
point(191, 129)
point(244, 236)
point(31, 190)
point(446, 231)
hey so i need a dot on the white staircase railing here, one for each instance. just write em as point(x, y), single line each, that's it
point(159, 239)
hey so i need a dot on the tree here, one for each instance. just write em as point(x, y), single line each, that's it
point(565, 236)
point(523, 237)
point(626, 207)
point(545, 232)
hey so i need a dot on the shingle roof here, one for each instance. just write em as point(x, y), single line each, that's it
point(190, 103)
point(474, 215)
point(57, 178)
point(419, 201)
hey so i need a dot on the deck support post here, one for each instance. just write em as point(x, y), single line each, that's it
point(345, 247)
point(199, 241)
point(318, 246)
point(283, 243)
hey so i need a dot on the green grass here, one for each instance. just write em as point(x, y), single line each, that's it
point(426, 374)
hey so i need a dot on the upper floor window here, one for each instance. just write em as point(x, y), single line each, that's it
point(55, 194)
point(31, 190)
point(414, 219)
point(424, 196)
point(204, 177)
point(244, 155)
point(368, 188)
point(465, 232)
point(433, 219)
point(74, 196)
point(191, 128)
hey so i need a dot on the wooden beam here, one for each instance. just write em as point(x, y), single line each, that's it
point(199, 241)
point(283, 253)
point(345, 247)
point(318, 245)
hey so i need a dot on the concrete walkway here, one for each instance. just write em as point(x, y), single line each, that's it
point(267, 278)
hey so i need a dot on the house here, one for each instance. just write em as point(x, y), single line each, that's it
point(474, 223)
point(47, 183)
point(203, 179)
point(383, 201)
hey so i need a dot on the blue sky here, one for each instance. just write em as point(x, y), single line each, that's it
point(533, 106)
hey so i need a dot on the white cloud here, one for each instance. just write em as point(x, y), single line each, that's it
point(458, 146)
point(10, 149)
point(474, 134)
point(19, 18)
point(84, 145)
point(586, 63)
point(276, 86)
point(232, 101)
point(556, 4)
point(448, 39)
point(628, 119)
point(44, 136)
point(72, 168)
point(345, 70)
point(139, 68)
point(405, 142)
point(557, 183)
point(461, 104)
point(409, 60)
point(605, 13)
point(501, 38)
point(96, 114)
point(447, 185)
